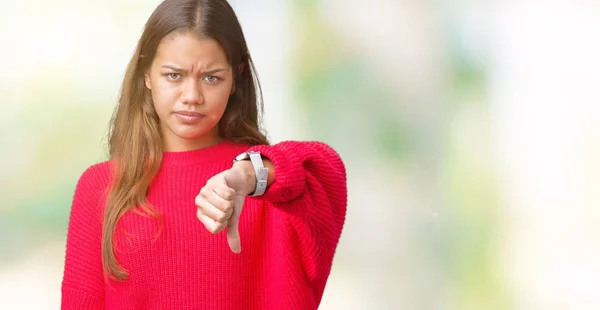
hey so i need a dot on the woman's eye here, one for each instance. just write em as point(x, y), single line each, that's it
point(211, 78)
point(173, 76)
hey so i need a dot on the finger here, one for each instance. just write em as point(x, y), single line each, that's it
point(222, 198)
point(218, 193)
point(214, 205)
point(224, 192)
point(233, 233)
point(208, 207)
point(209, 223)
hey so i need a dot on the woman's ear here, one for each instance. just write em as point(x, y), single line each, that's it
point(147, 81)
point(239, 73)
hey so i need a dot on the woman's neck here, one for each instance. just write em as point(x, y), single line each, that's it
point(183, 145)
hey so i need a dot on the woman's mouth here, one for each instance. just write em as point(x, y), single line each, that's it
point(189, 117)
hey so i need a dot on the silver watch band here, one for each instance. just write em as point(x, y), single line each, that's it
point(262, 173)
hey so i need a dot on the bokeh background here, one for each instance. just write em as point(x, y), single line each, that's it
point(470, 131)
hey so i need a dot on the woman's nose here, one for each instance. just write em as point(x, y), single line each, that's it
point(191, 94)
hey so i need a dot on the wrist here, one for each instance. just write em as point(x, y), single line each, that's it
point(257, 172)
point(248, 176)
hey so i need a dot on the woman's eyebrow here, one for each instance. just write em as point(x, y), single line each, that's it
point(178, 70)
point(215, 71)
point(172, 68)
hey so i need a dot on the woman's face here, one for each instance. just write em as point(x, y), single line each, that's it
point(191, 81)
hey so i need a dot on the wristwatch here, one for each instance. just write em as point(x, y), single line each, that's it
point(262, 173)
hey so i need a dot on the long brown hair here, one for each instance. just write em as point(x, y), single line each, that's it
point(135, 144)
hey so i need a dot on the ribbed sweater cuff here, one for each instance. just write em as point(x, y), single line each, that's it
point(290, 179)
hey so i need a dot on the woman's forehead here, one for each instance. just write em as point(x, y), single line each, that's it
point(187, 50)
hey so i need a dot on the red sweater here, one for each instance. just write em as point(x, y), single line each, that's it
point(289, 236)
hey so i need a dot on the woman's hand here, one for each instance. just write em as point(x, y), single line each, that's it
point(221, 200)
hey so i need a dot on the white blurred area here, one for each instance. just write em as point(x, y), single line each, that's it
point(546, 122)
point(543, 67)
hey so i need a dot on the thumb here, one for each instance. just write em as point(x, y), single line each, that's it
point(233, 233)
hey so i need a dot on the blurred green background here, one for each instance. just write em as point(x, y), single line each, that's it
point(470, 131)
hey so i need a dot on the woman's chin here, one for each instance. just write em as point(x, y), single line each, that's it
point(200, 135)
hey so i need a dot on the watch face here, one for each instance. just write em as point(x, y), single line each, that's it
point(246, 155)
point(242, 156)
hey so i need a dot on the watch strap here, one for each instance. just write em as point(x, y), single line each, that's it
point(261, 172)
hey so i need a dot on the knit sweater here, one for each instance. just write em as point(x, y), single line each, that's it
point(289, 236)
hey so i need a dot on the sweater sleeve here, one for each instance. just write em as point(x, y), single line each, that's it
point(310, 186)
point(83, 279)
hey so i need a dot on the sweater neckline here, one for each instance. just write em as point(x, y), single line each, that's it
point(215, 152)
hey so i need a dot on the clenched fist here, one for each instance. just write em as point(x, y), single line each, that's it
point(221, 200)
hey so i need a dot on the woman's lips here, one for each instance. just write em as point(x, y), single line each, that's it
point(189, 117)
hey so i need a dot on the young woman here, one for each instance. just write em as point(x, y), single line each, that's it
point(194, 209)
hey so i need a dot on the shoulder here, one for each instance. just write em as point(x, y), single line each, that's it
point(95, 179)
point(97, 172)
point(90, 195)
